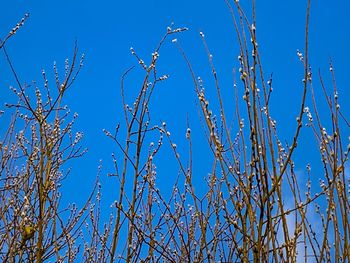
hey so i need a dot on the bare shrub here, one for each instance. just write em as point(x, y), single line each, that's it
point(253, 210)
point(33, 153)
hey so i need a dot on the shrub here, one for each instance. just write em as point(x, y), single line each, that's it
point(254, 208)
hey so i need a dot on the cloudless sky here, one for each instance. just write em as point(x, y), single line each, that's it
point(105, 30)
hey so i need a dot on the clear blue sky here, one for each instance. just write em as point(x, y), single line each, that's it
point(105, 31)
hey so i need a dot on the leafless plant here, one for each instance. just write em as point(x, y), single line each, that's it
point(34, 151)
point(243, 216)
point(253, 210)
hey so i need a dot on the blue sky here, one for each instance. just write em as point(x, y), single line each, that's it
point(106, 30)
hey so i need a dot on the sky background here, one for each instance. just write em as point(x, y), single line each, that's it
point(106, 30)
